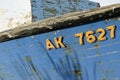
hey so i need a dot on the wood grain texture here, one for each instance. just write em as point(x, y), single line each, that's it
point(61, 22)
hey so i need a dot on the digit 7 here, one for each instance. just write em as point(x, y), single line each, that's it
point(80, 35)
point(112, 30)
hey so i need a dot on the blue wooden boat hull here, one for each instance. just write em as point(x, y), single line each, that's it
point(40, 57)
point(28, 59)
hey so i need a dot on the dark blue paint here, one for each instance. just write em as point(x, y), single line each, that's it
point(27, 58)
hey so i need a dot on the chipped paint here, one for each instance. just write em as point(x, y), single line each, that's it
point(26, 58)
point(61, 22)
point(50, 8)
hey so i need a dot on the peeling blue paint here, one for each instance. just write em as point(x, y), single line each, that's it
point(42, 9)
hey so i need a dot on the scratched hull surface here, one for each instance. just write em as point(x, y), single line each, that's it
point(42, 9)
point(28, 59)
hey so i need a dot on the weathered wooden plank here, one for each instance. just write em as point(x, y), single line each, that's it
point(78, 46)
point(60, 22)
point(29, 58)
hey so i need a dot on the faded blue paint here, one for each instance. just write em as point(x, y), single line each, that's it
point(42, 9)
point(27, 58)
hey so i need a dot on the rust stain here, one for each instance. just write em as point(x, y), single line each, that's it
point(51, 10)
point(96, 45)
point(49, 2)
point(55, 32)
point(34, 16)
point(27, 58)
point(68, 49)
point(77, 72)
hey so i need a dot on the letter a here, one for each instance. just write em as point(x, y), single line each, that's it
point(49, 45)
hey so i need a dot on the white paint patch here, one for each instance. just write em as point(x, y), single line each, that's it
point(14, 13)
point(106, 2)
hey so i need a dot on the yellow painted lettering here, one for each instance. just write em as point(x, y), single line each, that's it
point(59, 42)
point(80, 35)
point(90, 37)
point(102, 36)
point(112, 30)
point(49, 44)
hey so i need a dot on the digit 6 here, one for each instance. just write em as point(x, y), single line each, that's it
point(90, 37)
